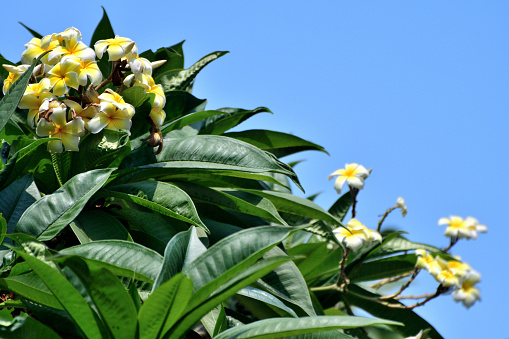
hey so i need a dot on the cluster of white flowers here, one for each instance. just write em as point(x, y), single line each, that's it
point(70, 63)
point(452, 273)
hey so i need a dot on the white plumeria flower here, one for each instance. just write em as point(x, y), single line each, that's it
point(353, 174)
point(14, 74)
point(458, 227)
point(427, 261)
point(69, 133)
point(116, 100)
point(400, 203)
point(117, 47)
point(63, 75)
point(109, 117)
point(357, 236)
point(446, 276)
point(417, 336)
point(36, 47)
point(468, 294)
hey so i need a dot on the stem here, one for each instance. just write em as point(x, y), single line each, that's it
point(332, 287)
point(353, 193)
point(413, 296)
point(385, 216)
point(342, 278)
point(105, 82)
point(389, 280)
point(404, 287)
point(451, 244)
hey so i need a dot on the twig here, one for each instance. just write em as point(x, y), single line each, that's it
point(385, 216)
point(404, 287)
point(389, 280)
point(451, 244)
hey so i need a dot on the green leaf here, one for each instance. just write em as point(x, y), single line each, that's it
point(67, 295)
point(278, 143)
point(241, 201)
point(99, 225)
point(3, 61)
point(360, 297)
point(16, 198)
point(400, 244)
point(289, 203)
point(233, 254)
point(123, 258)
point(109, 296)
point(285, 327)
point(181, 80)
point(165, 306)
point(28, 327)
point(49, 215)
point(265, 297)
point(287, 283)
point(105, 149)
point(30, 286)
point(103, 31)
point(188, 120)
point(383, 268)
point(13, 96)
point(231, 117)
point(161, 197)
point(181, 250)
point(341, 206)
point(62, 166)
point(173, 55)
point(180, 103)
point(208, 151)
point(3, 228)
point(34, 33)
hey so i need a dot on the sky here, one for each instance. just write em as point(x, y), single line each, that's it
point(415, 90)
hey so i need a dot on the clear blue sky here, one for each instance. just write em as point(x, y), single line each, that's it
point(416, 90)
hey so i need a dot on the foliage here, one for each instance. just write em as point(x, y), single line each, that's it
point(130, 211)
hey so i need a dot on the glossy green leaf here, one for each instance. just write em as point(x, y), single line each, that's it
point(105, 149)
point(241, 201)
point(16, 198)
point(181, 250)
point(383, 268)
point(123, 258)
point(341, 206)
point(278, 143)
point(285, 327)
point(165, 306)
point(265, 297)
point(30, 156)
point(161, 197)
point(34, 33)
point(27, 327)
point(68, 296)
point(173, 55)
point(13, 96)
point(49, 215)
point(181, 80)
point(358, 296)
point(231, 117)
point(230, 287)
point(30, 286)
point(287, 283)
point(188, 120)
point(109, 295)
point(210, 151)
point(62, 166)
point(233, 254)
point(99, 225)
point(3, 61)
point(180, 103)
point(289, 203)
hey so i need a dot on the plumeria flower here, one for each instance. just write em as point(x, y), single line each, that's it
point(139, 64)
point(89, 69)
point(467, 293)
point(56, 126)
point(458, 227)
point(109, 117)
point(446, 276)
point(427, 261)
point(86, 114)
point(157, 115)
point(150, 86)
point(36, 47)
point(71, 46)
point(117, 48)
point(356, 235)
point(400, 203)
point(353, 174)
point(459, 268)
point(34, 96)
point(116, 100)
point(64, 75)
point(14, 74)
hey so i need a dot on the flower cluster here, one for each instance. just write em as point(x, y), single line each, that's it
point(63, 99)
point(356, 235)
point(452, 273)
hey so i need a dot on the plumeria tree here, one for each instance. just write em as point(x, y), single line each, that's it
point(128, 210)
